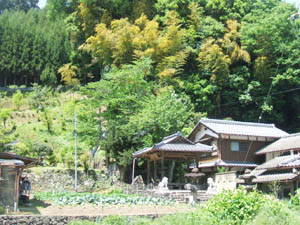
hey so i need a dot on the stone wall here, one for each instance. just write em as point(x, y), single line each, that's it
point(226, 181)
point(51, 179)
point(54, 220)
point(42, 220)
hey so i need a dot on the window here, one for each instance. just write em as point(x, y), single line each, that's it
point(239, 146)
point(235, 147)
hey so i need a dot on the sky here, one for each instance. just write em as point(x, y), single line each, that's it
point(42, 3)
point(297, 2)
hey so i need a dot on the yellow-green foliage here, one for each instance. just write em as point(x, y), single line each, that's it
point(124, 41)
point(5, 113)
point(68, 74)
point(217, 55)
point(17, 99)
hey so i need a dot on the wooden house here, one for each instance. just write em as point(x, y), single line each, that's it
point(282, 165)
point(236, 143)
point(11, 167)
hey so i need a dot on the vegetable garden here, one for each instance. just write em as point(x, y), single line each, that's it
point(69, 198)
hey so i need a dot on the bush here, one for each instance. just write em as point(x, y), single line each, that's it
point(17, 99)
point(295, 200)
point(235, 207)
point(276, 213)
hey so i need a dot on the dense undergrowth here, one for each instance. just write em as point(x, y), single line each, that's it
point(228, 208)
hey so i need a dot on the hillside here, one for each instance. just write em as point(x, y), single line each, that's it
point(143, 70)
point(40, 123)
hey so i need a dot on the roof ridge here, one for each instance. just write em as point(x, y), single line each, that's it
point(234, 122)
point(178, 133)
point(291, 135)
point(289, 160)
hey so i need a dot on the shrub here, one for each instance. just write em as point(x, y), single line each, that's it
point(235, 207)
point(276, 213)
point(295, 200)
point(17, 99)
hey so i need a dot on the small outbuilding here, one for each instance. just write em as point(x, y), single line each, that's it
point(11, 168)
point(173, 147)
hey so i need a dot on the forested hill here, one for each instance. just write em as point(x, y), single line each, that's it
point(153, 67)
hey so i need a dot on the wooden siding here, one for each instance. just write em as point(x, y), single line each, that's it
point(226, 153)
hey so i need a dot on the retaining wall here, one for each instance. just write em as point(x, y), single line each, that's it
point(42, 220)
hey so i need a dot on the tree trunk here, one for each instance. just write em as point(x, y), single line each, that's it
point(107, 159)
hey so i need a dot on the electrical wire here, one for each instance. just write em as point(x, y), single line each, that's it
point(292, 17)
point(261, 96)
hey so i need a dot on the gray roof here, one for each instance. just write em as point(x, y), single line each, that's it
point(275, 177)
point(185, 147)
point(241, 128)
point(11, 162)
point(176, 143)
point(289, 161)
point(291, 142)
point(226, 163)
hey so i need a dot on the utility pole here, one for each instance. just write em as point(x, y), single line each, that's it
point(75, 151)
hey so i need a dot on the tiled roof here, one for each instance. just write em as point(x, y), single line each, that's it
point(140, 152)
point(176, 143)
point(275, 177)
point(185, 147)
point(289, 161)
point(241, 128)
point(226, 163)
point(291, 142)
point(11, 162)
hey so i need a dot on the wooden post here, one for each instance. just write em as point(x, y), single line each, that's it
point(148, 171)
point(292, 190)
point(17, 188)
point(155, 169)
point(198, 157)
point(162, 167)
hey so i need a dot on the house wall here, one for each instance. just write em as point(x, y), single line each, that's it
point(227, 154)
point(202, 132)
point(272, 155)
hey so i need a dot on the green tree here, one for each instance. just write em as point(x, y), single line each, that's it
point(17, 99)
point(23, 5)
point(33, 48)
point(5, 113)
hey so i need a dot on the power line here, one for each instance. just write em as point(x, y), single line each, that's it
point(262, 96)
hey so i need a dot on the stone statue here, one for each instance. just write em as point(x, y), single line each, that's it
point(211, 186)
point(163, 185)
